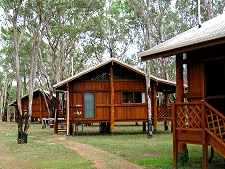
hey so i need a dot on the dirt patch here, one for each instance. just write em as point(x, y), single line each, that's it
point(100, 158)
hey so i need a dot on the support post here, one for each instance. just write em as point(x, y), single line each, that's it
point(175, 143)
point(166, 123)
point(41, 112)
point(182, 147)
point(112, 99)
point(204, 135)
point(144, 126)
point(154, 100)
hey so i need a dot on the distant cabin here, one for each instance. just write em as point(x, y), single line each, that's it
point(110, 92)
point(40, 106)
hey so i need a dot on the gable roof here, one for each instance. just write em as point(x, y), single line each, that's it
point(112, 60)
point(212, 31)
point(35, 91)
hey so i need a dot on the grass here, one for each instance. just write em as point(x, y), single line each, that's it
point(38, 153)
point(128, 142)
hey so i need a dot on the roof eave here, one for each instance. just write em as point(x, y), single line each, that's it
point(184, 49)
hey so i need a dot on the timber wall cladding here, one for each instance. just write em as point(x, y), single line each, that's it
point(195, 80)
point(39, 108)
point(129, 85)
point(128, 112)
point(90, 86)
point(101, 89)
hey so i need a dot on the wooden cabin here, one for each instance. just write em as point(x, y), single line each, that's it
point(200, 120)
point(39, 106)
point(110, 92)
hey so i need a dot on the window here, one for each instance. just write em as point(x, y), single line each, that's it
point(133, 97)
point(88, 105)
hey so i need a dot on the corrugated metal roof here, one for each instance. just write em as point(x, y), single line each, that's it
point(107, 62)
point(209, 30)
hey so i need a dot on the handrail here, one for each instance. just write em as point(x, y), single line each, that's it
point(188, 116)
point(198, 123)
point(215, 122)
point(197, 116)
point(214, 110)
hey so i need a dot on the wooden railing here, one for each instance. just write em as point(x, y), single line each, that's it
point(188, 116)
point(198, 123)
point(196, 116)
point(215, 121)
point(164, 113)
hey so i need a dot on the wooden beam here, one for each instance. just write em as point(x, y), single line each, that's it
point(166, 123)
point(205, 139)
point(41, 111)
point(154, 100)
point(182, 147)
point(175, 143)
point(112, 99)
point(179, 78)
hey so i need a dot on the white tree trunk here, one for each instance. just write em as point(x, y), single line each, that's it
point(148, 85)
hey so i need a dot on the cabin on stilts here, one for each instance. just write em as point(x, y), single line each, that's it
point(200, 119)
point(41, 106)
point(111, 92)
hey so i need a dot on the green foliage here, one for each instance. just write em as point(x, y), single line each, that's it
point(90, 31)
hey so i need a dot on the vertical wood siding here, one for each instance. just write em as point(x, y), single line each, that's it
point(101, 89)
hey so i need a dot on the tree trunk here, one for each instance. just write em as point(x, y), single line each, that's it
point(22, 138)
point(3, 104)
point(148, 85)
point(33, 68)
point(5, 113)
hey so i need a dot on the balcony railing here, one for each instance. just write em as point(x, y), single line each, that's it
point(164, 113)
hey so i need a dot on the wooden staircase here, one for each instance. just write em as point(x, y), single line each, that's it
point(198, 123)
point(215, 129)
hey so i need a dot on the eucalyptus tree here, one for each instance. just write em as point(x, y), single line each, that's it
point(141, 11)
point(15, 7)
point(157, 22)
point(28, 22)
point(188, 11)
point(120, 30)
point(67, 33)
point(7, 75)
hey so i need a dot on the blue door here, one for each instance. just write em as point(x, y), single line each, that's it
point(88, 105)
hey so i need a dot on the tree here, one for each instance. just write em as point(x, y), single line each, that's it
point(21, 10)
point(15, 6)
point(188, 11)
point(38, 31)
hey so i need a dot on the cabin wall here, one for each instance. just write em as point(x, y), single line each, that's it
point(195, 81)
point(39, 108)
point(196, 73)
point(102, 101)
point(206, 77)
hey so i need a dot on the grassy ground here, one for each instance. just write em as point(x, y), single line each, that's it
point(128, 142)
